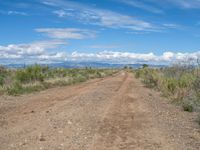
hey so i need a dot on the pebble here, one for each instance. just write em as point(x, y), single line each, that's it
point(41, 138)
point(60, 131)
point(69, 122)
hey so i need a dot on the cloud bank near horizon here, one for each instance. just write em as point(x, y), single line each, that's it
point(36, 53)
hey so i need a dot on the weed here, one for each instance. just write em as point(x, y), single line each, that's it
point(187, 107)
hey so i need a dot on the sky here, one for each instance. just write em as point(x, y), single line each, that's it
point(115, 31)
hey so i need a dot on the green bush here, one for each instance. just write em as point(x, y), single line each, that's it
point(196, 87)
point(151, 79)
point(171, 85)
point(3, 74)
point(15, 89)
point(18, 89)
point(187, 107)
point(79, 78)
point(150, 76)
point(145, 66)
point(30, 74)
point(137, 74)
point(1, 80)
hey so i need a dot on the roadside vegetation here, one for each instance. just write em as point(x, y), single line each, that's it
point(36, 78)
point(180, 83)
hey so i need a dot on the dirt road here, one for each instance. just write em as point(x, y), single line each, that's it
point(114, 113)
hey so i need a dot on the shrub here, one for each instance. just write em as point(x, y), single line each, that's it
point(79, 78)
point(150, 77)
point(15, 89)
point(61, 83)
point(30, 74)
point(18, 89)
point(187, 107)
point(137, 74)
point(196, 87)
point(3, 74)
point(171, 85)
point(1, 80)
point(98, 74)
point(145, 66)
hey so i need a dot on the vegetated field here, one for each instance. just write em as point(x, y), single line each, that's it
point(116, 112)
point(180, 83)
point(36, 78)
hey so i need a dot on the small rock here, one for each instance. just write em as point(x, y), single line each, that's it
point(41, 138)
point(69, 122)
point(60, 132)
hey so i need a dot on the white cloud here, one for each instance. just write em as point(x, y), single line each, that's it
point(188, 4)
point(157, 6)
point(116, 20)
point(67, 33)
point(60, 13)
point(167, 56)
point(10, 12)
point(37, 52)
point(171, 25)
point(35, 48)
point(114, 56)
point(107, 18)
point(59, 56)
point(145, 6)
point(101, 17)
point(183, 4)
point(128, 57)
point(33, 51)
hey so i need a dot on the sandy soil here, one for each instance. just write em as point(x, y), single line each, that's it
point(114, 113)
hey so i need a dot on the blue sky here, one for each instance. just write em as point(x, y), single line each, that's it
point(128, 31)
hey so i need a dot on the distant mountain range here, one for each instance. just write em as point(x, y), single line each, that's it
point(74, 64)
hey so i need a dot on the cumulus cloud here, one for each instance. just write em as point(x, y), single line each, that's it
point(39, 52)
point(114, 56)
point(59, 56)
point(128, 57)
point(67, 33)
point(32, 51)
